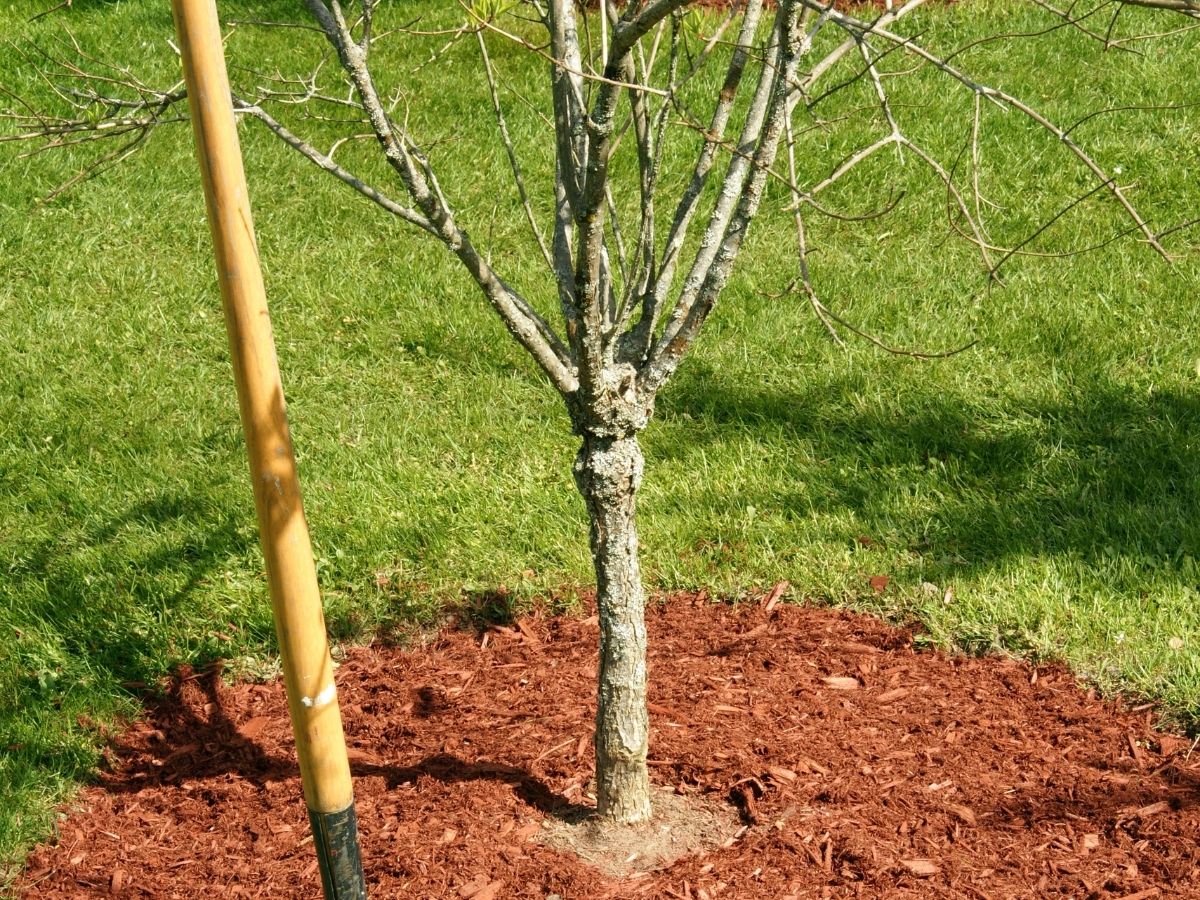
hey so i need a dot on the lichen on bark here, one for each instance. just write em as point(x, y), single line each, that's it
point(608, 471)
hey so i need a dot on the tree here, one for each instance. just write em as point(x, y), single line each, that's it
point(633, 301)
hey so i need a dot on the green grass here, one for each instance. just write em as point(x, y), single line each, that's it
point(1048, 477)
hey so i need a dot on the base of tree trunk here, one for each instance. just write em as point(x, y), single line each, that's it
point(682, 825)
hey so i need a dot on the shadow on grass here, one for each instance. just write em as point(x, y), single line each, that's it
point(106, 598)
point(90, 599)
point(1106, 472)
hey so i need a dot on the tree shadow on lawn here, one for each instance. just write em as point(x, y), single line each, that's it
point(101, 598)
point(89, 604)
point(118, 600)
point(964, 482)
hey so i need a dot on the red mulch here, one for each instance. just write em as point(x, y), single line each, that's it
point(866, 768)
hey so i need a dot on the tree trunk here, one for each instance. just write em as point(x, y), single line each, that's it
point(608, 472)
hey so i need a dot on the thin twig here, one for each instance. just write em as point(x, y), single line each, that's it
point(510, 149)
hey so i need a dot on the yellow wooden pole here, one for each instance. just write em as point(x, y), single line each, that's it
point(295, 597)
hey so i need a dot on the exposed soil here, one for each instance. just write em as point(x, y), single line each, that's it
point(861, 767)
point(683, 824)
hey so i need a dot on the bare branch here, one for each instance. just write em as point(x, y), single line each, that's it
point(896, 351)
point(583, 73)
point(325, 161)
point(764, 127)
point(654, 298)
point(1002, 97)
point(1187, 7)
point(509, 149)
point(616, 282)
point(65, 4)
point(1077, 22)
point(1044, 226)
point(634, 26)
point(802, 241)
point(834, 57)
point(529, 329)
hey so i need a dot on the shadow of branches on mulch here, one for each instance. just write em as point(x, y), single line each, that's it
point(879, 770)
point(200, 748)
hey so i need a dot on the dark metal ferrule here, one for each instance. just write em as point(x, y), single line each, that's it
point(336, 838)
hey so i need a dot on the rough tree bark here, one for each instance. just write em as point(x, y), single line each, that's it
point(608, 472)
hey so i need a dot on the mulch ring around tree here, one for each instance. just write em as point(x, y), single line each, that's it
point(855, 765)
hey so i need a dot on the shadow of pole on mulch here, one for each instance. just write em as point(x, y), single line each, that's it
point(175, 743)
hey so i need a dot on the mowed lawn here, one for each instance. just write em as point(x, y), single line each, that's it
point(1036, 494)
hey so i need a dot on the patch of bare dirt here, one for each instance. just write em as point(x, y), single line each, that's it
point(861, 766)
point(683, 825)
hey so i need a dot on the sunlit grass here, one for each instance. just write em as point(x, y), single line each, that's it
point(1036, 494)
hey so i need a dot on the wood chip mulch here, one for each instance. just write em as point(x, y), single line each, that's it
point(861, 766)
